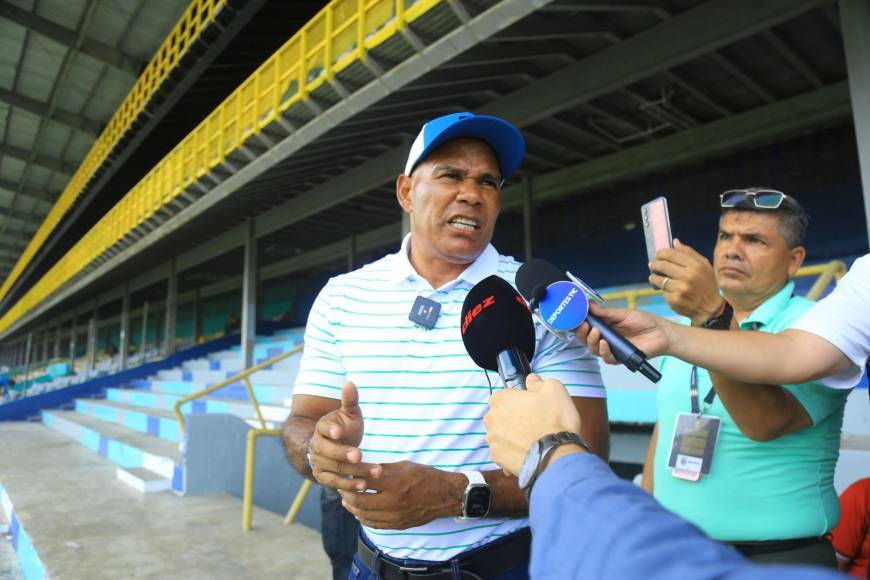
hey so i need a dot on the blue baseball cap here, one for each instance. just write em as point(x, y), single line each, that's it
point(505, 139)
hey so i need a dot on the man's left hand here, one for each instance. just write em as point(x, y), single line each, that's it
point(408, 494)
point(517, 419)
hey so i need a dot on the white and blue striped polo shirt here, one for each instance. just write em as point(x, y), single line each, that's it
point(422, 397)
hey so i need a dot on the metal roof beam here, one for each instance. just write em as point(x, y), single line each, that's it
point(41, 196)
point(664, 46)
point(95, 49)
point(75, 121)
point(45, 162)
point(792, 58)
point(654, 7)
point(23, 223)
point(743, 77)
point(780, 120)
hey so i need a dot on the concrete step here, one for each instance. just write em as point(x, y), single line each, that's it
point(296, 333)
point(265, 394)
point(165, 401)
point(283, 376)
point(88, 524)
point(143, 480)
point(262, 352)
point(123, 446)
point(150, 420)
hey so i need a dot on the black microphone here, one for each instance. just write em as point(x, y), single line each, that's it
point(562, 305)
point(498, 331)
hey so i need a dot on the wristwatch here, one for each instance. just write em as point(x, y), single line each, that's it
point(539, 453)
point(721, 320)
point(477, 496)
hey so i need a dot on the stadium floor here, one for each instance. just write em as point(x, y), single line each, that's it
point(84, 523)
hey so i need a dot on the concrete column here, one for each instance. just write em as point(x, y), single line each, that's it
point(91, 357)
point(45, 346)
point(249, 297)
point(124, 338)
point(73, 331)
point(27, 349)
point(855, 20)
point(142, 343)
point(197, 316)
point(56, 352)
point(171, 307)
point(351, 253)
point(528, 217)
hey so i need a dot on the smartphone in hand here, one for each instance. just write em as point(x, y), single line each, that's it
point(656, 226)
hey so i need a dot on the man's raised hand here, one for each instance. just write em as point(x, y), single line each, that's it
point(336, 460)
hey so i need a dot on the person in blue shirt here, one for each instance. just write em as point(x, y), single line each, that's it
point(588, 523)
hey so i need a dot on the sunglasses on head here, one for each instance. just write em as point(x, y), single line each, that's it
point(761, 198)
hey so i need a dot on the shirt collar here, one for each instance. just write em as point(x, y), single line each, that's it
point(770, 308)
point(485, 265)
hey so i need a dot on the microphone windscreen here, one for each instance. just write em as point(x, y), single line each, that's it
point(536, 272)
point(565, 306)
point(494, 319)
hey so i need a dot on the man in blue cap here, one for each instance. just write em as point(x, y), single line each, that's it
point(388, 406)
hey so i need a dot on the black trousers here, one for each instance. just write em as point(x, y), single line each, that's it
point(339, 532)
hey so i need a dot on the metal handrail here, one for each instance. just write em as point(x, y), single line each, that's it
point(253, 435)
point(242, 376)
point(826, 272)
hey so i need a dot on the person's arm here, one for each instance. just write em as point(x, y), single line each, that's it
point(647, 479)
point(761, 412)
point(588, 523)
point(744, 356)
point(595, 428)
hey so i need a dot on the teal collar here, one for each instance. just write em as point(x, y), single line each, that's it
point(769, 309)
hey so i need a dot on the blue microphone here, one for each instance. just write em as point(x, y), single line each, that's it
point(563, 306)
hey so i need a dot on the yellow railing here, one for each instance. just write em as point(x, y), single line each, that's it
point(253, 435)
point(826, 272)
point(339, 35)
point(198, 14)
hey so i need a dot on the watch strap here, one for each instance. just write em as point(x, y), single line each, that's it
point(474, 477)
point(721, 320)
point(548, 444)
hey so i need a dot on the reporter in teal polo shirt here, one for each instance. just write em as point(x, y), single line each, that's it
point(753, 467)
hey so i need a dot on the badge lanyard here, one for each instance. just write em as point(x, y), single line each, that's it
point(695, 436)
point(693, 391)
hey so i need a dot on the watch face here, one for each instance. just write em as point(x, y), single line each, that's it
point(477, 501)
point(527, 470)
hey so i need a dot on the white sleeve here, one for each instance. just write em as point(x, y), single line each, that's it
point(843, 319)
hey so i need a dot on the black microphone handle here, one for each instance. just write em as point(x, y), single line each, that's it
point(513, 368)
point(625, 352)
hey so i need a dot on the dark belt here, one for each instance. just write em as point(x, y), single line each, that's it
point(771, 546)
point(497, 557)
